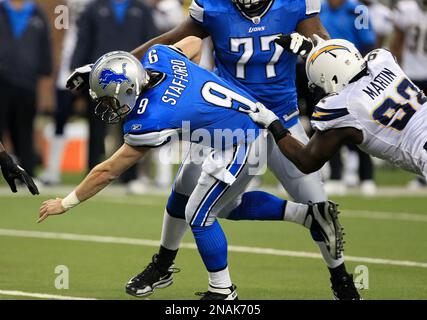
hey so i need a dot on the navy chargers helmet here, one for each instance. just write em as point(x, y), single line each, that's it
point(252, 8)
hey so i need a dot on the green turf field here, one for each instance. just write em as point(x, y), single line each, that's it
point(394, 229)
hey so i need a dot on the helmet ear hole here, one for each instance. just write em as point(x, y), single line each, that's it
point(335, 79)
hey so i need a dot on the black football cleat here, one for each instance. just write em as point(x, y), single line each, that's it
point(322, 219)
point(152, 277)
point(214, 293)
point(343, 288)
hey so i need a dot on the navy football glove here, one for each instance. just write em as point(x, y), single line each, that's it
point(11, 171)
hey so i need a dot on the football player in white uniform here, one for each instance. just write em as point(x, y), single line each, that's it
point(371, 103)
point(409, 45)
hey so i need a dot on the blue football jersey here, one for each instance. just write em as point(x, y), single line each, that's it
point(245, 52)
point(190, 102)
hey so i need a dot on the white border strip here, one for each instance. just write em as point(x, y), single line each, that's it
point(40, 295)
point(186, 245)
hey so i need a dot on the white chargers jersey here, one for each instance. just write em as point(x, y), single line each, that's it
point(387, 107)
point(411, 19)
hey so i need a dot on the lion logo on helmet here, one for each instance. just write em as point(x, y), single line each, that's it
point(109, 76)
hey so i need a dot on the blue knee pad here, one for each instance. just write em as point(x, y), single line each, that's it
point(176, 205)
point(212, 245)
point(259, 205)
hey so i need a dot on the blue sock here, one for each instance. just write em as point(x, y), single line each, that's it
point(258, 205)
point(212, 246)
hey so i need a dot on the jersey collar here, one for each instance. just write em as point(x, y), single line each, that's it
point(257, 19)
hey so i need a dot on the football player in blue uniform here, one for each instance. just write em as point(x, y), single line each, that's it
point(247, 54)
point(157, 98)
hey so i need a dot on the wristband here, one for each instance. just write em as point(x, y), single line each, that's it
point(278, 130)
point(70, 201)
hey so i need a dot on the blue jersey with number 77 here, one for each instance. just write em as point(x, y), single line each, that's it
point(245, 52)
point(190, 102)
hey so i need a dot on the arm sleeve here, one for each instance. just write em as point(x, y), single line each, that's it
point(150, 139)
point(310, 9)
point(81, 55)
point(165, 53)
point(46, 61)
point(331, 113)
point(197, 11)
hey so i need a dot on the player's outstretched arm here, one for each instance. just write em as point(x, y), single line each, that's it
point(321, 147)
point(185, 29)
point(97, 179)
point(191, 47)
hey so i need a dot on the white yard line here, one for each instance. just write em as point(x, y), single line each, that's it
point(231, 248)
point(40, 295)
point(380, 215)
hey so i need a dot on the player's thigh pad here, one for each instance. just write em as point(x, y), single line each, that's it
point(186, 180)
point(223, 180)
point(302, 188)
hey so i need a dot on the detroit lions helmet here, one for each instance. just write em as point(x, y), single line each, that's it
point(332, 64)
point(252, 8)
point(116, 81)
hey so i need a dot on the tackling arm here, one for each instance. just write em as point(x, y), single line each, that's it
point(99, 177)
point(320, 149)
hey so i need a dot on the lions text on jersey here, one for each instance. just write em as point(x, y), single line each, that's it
point(245, 52)
point(387, 107)
point(189, 101)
